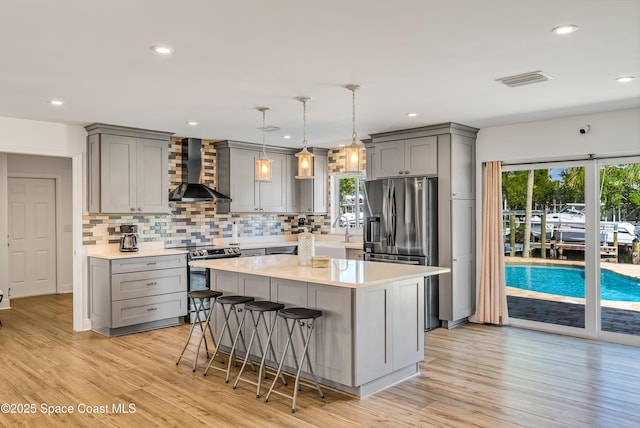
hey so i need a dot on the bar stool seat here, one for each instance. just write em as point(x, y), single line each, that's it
point(197, 299)
point(299, 316)
point(231, 302)
point(261, 307)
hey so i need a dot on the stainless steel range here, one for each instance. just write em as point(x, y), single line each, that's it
point(198, 278)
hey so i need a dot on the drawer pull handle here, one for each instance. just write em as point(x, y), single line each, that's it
point(149, 284)
point(152, 309)
point(151, 263)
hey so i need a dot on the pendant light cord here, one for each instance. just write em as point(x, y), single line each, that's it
point(264, 152)
point(304, 123)
point(354, 136)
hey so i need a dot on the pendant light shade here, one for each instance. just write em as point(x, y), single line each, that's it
point(352, 151)
point(263, 164)
point(305, 157)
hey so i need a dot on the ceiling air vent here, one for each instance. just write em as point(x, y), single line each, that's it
point(525, 79)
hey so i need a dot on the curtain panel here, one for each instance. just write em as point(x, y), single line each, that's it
point(492, 296)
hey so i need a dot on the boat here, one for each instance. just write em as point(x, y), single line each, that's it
point(568, 225)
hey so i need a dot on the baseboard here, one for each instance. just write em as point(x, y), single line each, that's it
point(66, 288)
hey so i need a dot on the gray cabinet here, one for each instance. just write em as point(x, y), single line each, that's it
point(313, 193)
point(390, 328)
point(235, 177)
point(136, 294)
point(128, 170)
point(406, 157)
point(449, 150)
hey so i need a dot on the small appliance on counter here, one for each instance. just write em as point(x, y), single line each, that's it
point(129, 239)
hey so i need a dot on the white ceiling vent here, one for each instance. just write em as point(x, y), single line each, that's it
point(525, 78)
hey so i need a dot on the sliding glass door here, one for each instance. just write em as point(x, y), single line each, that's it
point(582, 275)
point(544, 217)
point(619, 295)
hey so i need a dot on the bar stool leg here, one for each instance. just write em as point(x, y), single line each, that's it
point(235, 342)
point(284, 354)
point(225, 327)
point(207, 322)
point(305, 356)
point(193, 326)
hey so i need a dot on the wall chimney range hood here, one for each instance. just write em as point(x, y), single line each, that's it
point(191, 189)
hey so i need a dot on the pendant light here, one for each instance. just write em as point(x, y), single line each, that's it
point(352, 151)
point(263, 164)
point(305, 157)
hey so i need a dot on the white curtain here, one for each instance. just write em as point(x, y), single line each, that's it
point(492, 296)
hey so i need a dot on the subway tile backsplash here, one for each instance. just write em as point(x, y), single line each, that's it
point(192, 223)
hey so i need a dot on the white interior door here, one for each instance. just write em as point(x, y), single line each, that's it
point(32, 236)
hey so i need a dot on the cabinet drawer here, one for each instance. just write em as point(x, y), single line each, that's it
point(138, 264)
point(146, 309)
point(149, 283)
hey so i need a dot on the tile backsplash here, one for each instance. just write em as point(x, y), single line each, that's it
point(198, 223)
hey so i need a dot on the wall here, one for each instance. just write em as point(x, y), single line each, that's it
point(193, 223)
point(39, 166)
point(4, 214)
point(614, 133)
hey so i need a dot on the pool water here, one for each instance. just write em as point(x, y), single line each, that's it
point(569, 281)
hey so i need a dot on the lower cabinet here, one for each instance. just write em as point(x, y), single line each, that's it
point(136, 294)
point(389, 328)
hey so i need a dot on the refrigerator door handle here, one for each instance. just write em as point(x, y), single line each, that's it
point(399, 262)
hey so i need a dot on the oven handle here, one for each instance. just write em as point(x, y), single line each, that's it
point(401, 262)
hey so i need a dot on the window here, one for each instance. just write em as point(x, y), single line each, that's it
point(347, 198)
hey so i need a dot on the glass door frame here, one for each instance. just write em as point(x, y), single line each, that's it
point(608, 336)
point(591, 280)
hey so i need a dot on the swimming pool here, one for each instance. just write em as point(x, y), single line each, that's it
point(569, 281)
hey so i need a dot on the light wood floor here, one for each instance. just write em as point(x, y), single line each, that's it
point(471, 376)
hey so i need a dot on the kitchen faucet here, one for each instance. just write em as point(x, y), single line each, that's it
point(346, 228)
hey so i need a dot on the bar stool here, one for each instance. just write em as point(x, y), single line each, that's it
point(261, 308)
point(197, 299)
point(230, 302)
point(300, 316)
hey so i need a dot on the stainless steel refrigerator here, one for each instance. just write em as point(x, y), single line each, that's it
point(401, 226)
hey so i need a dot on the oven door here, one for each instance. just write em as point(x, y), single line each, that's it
point(198, 280)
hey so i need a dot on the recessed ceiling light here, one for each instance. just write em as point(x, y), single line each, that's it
point(286, 137)
point(56, 102)
point(162, 50)
point(192, 123)
point(341, 145)
point(564, 29)
point(624, 79)
point(412, 114)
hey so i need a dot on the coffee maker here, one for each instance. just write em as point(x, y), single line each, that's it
point(129, 239)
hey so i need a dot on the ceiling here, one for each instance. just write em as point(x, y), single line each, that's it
point(437, 58)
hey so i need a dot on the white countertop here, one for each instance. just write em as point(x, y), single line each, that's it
point(341, 272)
point(113, 252)
point(318, 242)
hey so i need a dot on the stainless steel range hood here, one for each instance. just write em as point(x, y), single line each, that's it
point(191, 189)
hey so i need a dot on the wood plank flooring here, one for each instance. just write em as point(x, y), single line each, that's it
point(472, 376)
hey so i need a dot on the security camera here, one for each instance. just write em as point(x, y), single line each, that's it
point(585, 129)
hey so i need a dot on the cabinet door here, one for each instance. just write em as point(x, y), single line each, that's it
point(462, 263)
point(320, 197)
point(389, 159)
point(312, 193)
point(421, 156)
point(331, 347)
point(291, 294)
point(117, 173)
point(373, 335)
point(370, 164)
point(273, 195)
point(151, 176)
point(93, 169)
point(293, 202)
point(245, 192)
point(408, 322)
point(462, 168)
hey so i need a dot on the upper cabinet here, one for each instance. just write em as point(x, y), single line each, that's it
point(312, 193)
point(128, 170)
point(405, 157)
point(235, 177)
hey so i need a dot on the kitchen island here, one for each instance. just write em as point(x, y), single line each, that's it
point(371, 334)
